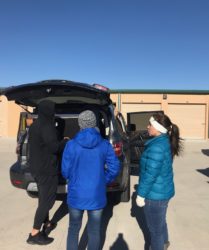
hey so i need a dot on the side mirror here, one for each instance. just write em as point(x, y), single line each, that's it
point(131, 127)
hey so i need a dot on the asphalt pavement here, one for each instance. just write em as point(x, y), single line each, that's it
point(188, 212)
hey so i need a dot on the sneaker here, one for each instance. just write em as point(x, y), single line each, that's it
point(166, 245)
point(39, 239)
point(48, 227)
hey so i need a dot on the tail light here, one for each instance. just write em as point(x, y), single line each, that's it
point(17, 182)
point(113, 184)
point(118, 148)
point(17, 150)
point(101, 87)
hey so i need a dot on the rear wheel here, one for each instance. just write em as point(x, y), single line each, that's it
point(32, 194)
point(123, 196)
point(126, 194)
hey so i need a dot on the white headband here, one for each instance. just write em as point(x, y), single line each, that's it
point(158, 126)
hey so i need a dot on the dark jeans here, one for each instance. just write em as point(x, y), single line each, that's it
point(155, 214)
point(93, 228)
point(47, 188)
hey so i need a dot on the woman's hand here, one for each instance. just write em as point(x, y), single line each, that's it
point(140, 201)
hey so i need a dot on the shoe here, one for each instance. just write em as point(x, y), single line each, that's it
point(166, 245)
point(48, 227)
point(39, 239)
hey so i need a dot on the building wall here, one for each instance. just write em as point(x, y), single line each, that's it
point(9, 118)
point(189, 111)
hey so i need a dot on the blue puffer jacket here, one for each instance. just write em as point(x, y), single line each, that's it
point(156, 172)
point(89, 163)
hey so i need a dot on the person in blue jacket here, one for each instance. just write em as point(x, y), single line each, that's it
point(156, 185)
point(89, 163)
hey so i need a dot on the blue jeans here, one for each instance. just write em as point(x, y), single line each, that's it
point(93, 228)
point(155, 214)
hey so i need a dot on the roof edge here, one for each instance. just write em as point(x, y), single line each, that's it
point(159, 91)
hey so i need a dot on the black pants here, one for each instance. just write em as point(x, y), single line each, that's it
point(61, 211)
point(47, 188)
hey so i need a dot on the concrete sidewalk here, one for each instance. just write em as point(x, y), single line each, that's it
point(188, 213)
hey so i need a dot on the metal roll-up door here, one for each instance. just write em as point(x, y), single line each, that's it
point(190, 118)
point(137, 107)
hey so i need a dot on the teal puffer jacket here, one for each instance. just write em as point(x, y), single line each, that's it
point(156, 171)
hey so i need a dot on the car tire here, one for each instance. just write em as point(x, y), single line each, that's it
point(32, 194)
point(126, 194)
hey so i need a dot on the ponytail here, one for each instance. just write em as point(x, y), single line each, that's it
point(173, 132)
point(175, 140)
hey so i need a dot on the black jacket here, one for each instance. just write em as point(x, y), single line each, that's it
point(44, 146)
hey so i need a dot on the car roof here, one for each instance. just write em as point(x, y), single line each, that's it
point(58, 91)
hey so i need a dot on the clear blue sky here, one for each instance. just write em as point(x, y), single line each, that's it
point(123, 44)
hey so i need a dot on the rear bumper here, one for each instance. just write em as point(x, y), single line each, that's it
point(62, 189)
point(32, 187)
point(20, 177)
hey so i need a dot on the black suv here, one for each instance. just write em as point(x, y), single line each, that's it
point(71, 98)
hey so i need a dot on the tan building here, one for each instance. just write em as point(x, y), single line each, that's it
point(9, 117)
point(188, 109)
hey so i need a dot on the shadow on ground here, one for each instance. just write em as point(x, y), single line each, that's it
point(138, 213)
point(205, 151)
point(204, 171)
point(120, 243)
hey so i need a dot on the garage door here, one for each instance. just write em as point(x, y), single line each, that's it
point(190, 119)
point(137, 107)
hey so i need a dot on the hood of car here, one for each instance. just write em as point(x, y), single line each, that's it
point(58, 91)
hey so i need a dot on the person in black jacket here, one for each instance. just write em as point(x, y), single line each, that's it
point(44, 148)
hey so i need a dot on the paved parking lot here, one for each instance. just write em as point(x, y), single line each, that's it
point(188, 214)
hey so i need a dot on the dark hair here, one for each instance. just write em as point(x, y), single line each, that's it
point(173, 132)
